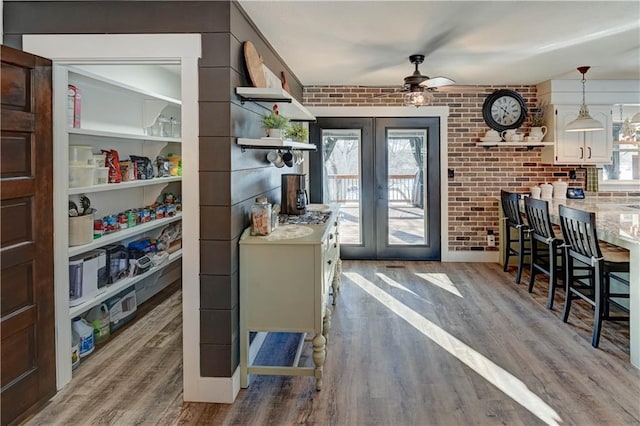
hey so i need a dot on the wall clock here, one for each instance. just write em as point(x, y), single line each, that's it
point(504, 109)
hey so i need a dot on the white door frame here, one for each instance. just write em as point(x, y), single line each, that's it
point(143, 48)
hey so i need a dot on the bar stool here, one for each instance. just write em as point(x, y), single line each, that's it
point(546, 246)
point(513, 220)
point(582, 245)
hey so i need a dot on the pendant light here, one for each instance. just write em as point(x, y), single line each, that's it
point(584, 122)
point(635, 120)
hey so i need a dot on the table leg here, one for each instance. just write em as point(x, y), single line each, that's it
point(634, 308)
point(319, 355)
point(326, 324)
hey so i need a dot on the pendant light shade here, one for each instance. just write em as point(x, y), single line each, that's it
point(635, 120)
point(584, 122)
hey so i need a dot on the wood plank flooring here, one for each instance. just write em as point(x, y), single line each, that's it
point(411, 343)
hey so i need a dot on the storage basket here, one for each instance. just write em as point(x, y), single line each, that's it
point(80, 176)
point(80, 230)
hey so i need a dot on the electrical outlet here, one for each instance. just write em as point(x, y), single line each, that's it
point(491, 239)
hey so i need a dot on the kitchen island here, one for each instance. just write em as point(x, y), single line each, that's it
point(618, 223)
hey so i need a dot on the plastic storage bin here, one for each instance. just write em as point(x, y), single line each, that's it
point(80, 176)
point(80, 155)
point(101, 175)
point(80, 230)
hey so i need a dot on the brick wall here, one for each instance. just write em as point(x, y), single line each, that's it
point(479, 173)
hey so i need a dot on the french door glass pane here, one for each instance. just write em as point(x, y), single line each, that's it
point(342, 183)
point(406, 186)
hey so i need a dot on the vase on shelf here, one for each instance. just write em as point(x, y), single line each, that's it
point(274, 133)
point(538, 132)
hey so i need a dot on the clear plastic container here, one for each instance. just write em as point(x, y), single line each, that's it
point(80, 176)
point(261, 217)
point(80, 155)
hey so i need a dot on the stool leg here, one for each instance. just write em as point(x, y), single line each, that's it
point(507, 246)
point(568, 278)
point(553, 276)
point(597, 316)
point(520, 255)
point(534, 257)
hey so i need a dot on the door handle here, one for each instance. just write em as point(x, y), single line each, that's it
point(581, 152)
point(589, 148)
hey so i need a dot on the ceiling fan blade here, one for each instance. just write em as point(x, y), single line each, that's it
point(438, 82)
point(386, 93)
point(460, 89)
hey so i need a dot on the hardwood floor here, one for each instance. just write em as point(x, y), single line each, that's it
point(411, 343)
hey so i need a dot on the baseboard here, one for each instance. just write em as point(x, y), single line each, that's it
point(470, 256)
point(213, 389)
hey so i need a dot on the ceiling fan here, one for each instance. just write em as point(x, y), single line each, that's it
point(418, 86)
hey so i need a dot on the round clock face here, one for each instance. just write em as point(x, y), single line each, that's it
point(504, 109)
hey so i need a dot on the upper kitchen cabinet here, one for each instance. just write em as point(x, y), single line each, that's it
point(564, 98)
point(578, 147)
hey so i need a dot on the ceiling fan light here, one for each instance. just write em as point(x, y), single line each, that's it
point(635, 120)
point(584, 122)
point(417, 98)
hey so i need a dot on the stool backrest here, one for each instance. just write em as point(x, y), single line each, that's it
point(579, 232)
point(538, 217)
point(511, 208)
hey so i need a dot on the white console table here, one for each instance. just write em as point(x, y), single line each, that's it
point(285, 281)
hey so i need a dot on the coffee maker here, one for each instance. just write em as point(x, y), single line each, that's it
point(294, 195)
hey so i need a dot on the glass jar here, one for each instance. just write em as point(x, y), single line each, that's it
point(261, 217)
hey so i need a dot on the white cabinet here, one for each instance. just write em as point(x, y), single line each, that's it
point(578, 147)
point(113, 116)
point(284, 287)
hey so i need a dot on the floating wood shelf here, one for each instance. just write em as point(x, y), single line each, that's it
point(271, 143)
point(266, 97)
point(528, 145)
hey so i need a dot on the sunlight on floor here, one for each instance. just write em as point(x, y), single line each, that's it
point(441, 280)
point(493, 373)
point(394, 283)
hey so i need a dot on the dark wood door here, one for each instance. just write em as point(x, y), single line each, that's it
point(26, 239)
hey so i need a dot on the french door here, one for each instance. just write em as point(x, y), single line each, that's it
point(385, 174)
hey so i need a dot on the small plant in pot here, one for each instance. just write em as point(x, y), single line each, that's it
point(297, 132)
point(274, 123)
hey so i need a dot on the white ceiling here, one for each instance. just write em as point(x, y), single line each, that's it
point(472, 42)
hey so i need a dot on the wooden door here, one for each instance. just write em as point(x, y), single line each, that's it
point(26, 243)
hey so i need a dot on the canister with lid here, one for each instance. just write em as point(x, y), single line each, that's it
point(546, 190)
point(261, 217)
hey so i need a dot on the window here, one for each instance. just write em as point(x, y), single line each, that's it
point(624, 172)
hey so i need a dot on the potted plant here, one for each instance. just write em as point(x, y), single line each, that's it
point(274, 123)
point(297, 132)
point(538, 129)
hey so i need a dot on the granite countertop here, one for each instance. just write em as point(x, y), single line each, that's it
point(617, 218)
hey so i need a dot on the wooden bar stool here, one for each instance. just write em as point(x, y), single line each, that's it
point(513, 220)
point(546, 245)
point(582, 245)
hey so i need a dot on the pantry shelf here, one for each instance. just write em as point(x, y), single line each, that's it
point(87, 77)
point(121, 235)
point(119, 135)
point(124, 185)
point(116, 287)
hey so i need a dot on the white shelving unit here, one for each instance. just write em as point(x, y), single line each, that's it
point(123, 234)
point(114, 115)
point(275, 143)
point(115, 288)
point(124, 185)
point(287, 104)
point(528, 145)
